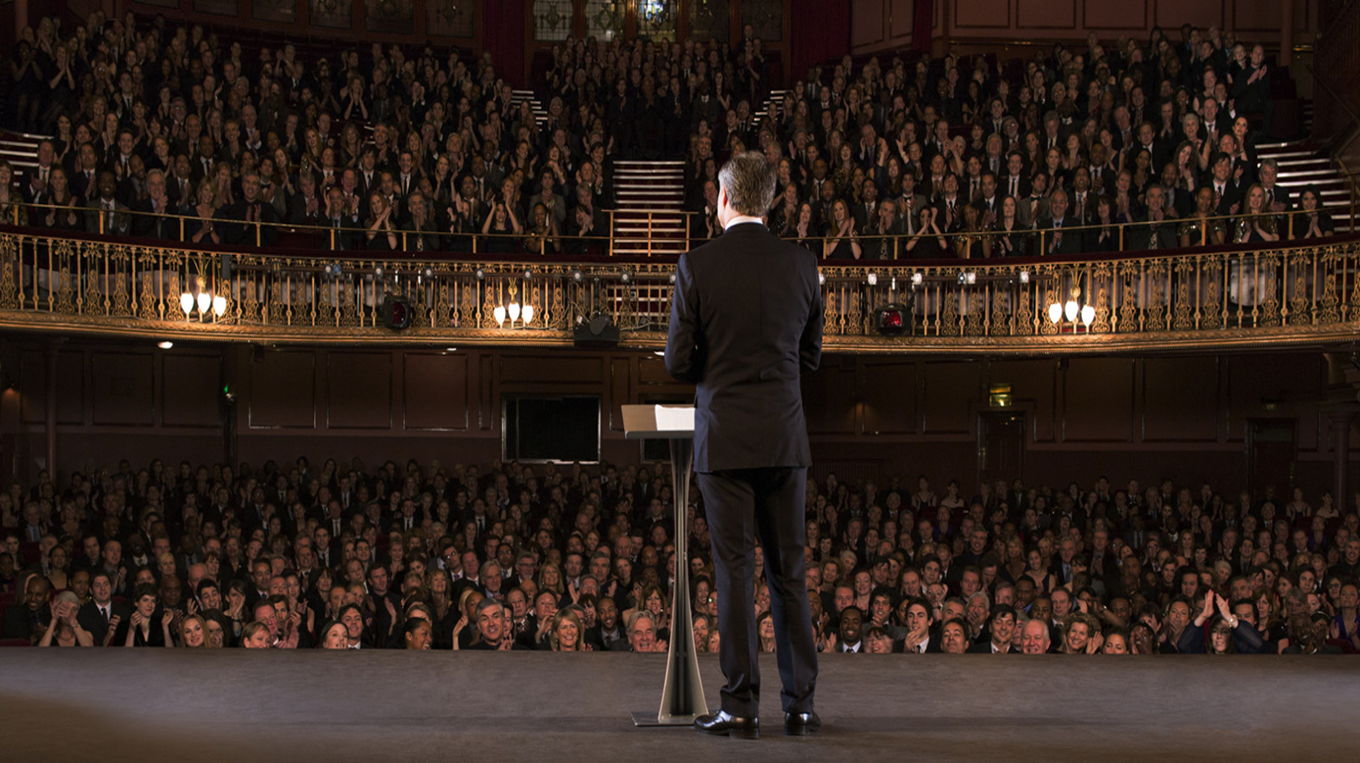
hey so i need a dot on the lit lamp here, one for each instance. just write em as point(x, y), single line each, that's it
point(527, 312)
point(514, 312)
point(1088, 314)
point(204, 302)
point(186, 303)
point(1055, 312)
point(219, 305)
point(499, 312)
point(1071, 310)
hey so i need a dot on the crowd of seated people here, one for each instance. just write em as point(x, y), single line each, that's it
point(969, 157)
point(398, 149)
point(510, 556)
point(391, 148)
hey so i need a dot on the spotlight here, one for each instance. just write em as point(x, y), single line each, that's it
point(576, 275)
point(428, 272)
point(970, 278)
point(872, 278)
point(597, 331)
point(672, 278)
point(528, 274)
point(479, 273)
point(378, 271)
point(1024, 276)
point(917, 278)
point(396, 312)
point(626, 277)
point(891, 319)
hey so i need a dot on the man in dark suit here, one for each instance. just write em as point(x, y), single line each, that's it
point(1057, 240)
point(746, 319)
point(101, 612)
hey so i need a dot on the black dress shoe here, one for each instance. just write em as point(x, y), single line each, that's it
point(801, 724)
point(733, 726)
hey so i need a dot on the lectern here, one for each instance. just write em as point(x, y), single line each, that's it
point(682, 693)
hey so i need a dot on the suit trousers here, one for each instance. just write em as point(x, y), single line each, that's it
point(741, 504)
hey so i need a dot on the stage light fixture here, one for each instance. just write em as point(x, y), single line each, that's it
point(597, 331)
point(892, 319)
point(396, 312)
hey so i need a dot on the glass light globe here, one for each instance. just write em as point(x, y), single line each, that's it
point(186, 303)
point(514, 311)
point(528, 312)
point(204, 301)
point(1071, 309)
point(1088, 314)
point(219, 305)
point(499, 312)
point(1055, 312)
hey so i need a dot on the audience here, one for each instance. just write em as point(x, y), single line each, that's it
point(516, 557)
point(943, 157)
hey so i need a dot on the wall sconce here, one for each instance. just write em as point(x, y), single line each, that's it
point(208, 305)
point(1073, 312)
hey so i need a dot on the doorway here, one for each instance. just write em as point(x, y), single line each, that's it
point(1001, 446)
point(1270, 456)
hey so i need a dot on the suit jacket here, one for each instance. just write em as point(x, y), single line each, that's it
point(89, 618)
point(1068, 241)
point(746, 318)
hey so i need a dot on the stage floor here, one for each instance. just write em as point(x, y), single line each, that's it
point(155, 704)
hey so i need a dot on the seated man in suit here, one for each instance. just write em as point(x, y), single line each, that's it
point(101, 215)
point(246, 213)
point(1001, 628)
point(152, 220)
point(28, 618)
point(101, 615)
point(1227, 191)
point(343, 219)
point(1056, 240)
point(1156, 229)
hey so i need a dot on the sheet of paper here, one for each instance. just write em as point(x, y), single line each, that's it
point(674, 418)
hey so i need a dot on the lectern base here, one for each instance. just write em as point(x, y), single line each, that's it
point(649, 718)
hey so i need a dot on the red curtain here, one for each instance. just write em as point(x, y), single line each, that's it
point(503, 35)
point(819, 30)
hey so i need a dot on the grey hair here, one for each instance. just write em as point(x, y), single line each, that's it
point(749, 181)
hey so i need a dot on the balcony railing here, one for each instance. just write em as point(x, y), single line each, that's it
point(1302, 292)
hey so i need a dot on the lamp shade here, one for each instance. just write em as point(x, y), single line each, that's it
point(1055, 312)
point(499, 312)
point(204, 301)
point(186, 302)
point(528, 313)
point(514, 311)
point(219, 305)
point(1072, 309)
point(1088, 314)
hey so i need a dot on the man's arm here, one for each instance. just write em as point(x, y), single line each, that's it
point(810, 345)
point(684, 359)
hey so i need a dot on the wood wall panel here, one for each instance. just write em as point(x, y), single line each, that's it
point(1255, 16)
point(1097, 403)
point(982, 14)
point(435, 391)
point(283, 390)
point(359, 390)
point(951, 392)
point(567, 370)
point(71, 377)
point(1046, 14)
point(829, 397)
point(890, 396)
point(868, 22)
point(1105, 14)
point(901, 17)
point(123, 389)
point(191, 390)
point(1170, 14)
point(621, 373)
point(1256, 384)
point(1180, 399)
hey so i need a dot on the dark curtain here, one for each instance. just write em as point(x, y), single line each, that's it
point(503, 35)
point(819, 32)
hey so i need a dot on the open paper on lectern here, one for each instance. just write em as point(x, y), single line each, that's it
point(674, 418)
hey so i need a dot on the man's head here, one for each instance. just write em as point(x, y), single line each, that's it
point(491, 621)
point(851, 626)
point(1003, 624)
point(954, 636)
point(1034, 639)
point(642, 632)
point(746, 186)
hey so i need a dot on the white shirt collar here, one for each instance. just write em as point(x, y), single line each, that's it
point(739, 219)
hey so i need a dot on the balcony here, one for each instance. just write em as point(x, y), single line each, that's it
point(1304, 293)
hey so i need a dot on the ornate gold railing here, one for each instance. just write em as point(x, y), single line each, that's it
point(1297, 293)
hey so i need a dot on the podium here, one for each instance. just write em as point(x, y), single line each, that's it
point(682, 692)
